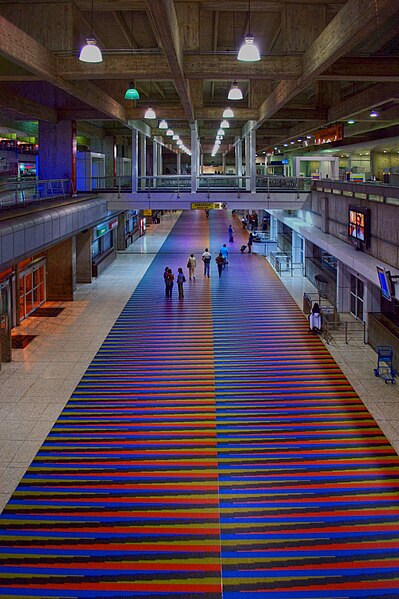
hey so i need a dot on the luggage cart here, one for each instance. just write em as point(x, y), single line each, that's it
point(385, 368)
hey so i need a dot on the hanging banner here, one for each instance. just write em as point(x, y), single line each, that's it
point(329, 134)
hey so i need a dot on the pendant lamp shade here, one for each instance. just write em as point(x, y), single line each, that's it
point(373, 114)
point(235, 93)
point(90, 52)
point(163, 124)
point(179, 142)
point(224, 125)
point(175, 137)
point(150, 114)
point(248, 51)
point(227, 114)
point(169, 133)
point(132, 93)
point(221, 132)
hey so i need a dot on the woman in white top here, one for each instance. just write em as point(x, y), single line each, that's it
point(191, 264)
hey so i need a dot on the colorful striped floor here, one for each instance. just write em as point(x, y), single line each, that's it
point(212, 449)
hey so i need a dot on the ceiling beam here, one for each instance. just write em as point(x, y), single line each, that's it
point(350, 68)
point(355, 21)
point(122, 66)
point(21, 106)
point(371, 97)
point(221, 67)
point(126, 32)
point(164, 15)
point(21, 48)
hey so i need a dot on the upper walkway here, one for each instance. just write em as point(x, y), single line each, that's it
point(213, 448)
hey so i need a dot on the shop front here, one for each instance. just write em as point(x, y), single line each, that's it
point(103, 247)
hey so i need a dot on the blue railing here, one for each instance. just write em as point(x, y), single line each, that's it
point(16, 193)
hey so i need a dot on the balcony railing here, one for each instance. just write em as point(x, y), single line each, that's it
point(16, 193)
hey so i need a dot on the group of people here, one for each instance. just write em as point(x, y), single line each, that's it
point(250, 221)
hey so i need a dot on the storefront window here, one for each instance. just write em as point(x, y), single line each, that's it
point(95, 248)
point(106, 241)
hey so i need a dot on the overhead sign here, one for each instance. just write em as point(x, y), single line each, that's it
point(147, 212)
point(329, 134)
point(207, 205)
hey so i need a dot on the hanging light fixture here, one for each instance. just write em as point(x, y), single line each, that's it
point(221, 132)
point(179, 142)
point(374, 114)
point(235, 93)
point(169, 133)
point(248, 51)
point(227, 114)
point(175, 137)
point(91, 52)
point(150, 114)
point(163, 124)
point(131, 92)
point(225, 125)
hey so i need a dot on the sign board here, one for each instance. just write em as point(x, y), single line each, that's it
point(147, 212)
point(329, 134)
point(207, 205)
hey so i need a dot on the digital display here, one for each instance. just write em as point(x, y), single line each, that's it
point(357, 224)
point(384, 283)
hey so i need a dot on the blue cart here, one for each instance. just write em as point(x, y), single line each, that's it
point(385, 369)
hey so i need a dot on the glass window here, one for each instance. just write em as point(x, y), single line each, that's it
point(95, 248)
point(107, 241)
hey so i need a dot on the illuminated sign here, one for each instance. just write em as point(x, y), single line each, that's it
point(329, 134)
point(207, 205)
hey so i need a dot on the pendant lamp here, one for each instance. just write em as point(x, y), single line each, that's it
point(235, 93)
point(224, 125)
point(227, 114)
point(248, 51)
point(163, 124)
point(132, 93)
point(150, 114)
point(175, 137)
point(91, 52)
point(169, 133)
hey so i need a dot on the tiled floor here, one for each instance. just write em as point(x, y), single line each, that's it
point(36, 385)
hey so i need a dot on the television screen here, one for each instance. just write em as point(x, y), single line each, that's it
point(385, 284)
point(358, 225)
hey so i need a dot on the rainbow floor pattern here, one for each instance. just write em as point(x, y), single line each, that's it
point(212, 449)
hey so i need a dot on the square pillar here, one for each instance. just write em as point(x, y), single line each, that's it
point(252, 160)
point(135, 160)
point(343, 287)
point(143, 160)
point(247, 162)
point(61, 270)
point(57, 150)
point(178, 163)
point(83, 257)
point(194, 157)
point(109, 149)
point(223, 164)
point(160, 159)
point(238, 157)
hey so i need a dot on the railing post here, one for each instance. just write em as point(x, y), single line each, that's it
point(207, 186)
point(119, 187)
point(346, 333)
point(178, 186)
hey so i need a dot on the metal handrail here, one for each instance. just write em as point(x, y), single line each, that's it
point(20, 192)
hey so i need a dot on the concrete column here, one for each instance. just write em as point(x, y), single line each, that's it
point(202, 163)
point(247, 162)
point(223, 164)
point(135, 160)
point(109, 149)
point(155, 156)
point(273, 228)
point(252, 160)
point(57, 150)
point(143, 159)
point(178, 165)
point(324, 206)
point(160, 159)
point(194, 157)
point(120, 240)
point(83, 257)
point(343, 287)
point(238, 157)
point(61, 270)
point(372, 163)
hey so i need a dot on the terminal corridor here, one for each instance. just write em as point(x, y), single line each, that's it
point(212, 449)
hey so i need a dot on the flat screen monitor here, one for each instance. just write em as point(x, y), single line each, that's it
point(385, 283)
point(358, 225)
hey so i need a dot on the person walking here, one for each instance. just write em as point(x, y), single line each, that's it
point(165, 278)
point(191, 265)
point(169, 283)
point(225, 253)
point(250, 242)
point(315, 319)
point(206, 258)
point(220, 263)
point(231, 234)
point(180, 280)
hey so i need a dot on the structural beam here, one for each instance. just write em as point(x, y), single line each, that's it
point(117, 66)
point(21, 48)
point(351, 68)
point(26, 108)
point(354, 22)
point(164, 15)
point(371, 97)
